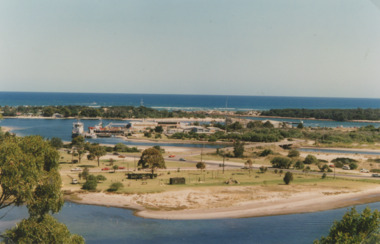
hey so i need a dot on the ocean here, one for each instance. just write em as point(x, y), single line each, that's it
point(183, 102)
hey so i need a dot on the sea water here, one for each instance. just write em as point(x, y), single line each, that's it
point(183, 102)
point(114, 225)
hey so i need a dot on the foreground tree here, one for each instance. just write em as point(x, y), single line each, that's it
point(49, 230)
point(29, 175)
point(152, 158)
point(354, 228)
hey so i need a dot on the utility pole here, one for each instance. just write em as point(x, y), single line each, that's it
point(134, 160)
point(223, 162)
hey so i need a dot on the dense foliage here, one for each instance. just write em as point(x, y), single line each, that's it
point(152, 158)
point(354, 228)
point(29, 175)
point(333, 114)
point(105, 112)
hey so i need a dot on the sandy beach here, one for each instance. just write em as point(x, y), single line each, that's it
point(233, 202)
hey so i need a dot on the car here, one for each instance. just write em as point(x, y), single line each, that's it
point(364, 171)
point(182, 159)
point(375, 175)
point(74, 181)
point(121, 167)
point(76, 169)
point(171, 156)
point(116, 153)
point(105, 169)
point(346, 167)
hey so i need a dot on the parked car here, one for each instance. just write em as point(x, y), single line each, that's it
point(105, 169)
point(74, 181)
point(121, 167)
point(375, 175)
point(346, 167)
point(76, 169)
point(171, 156)
point(182, 159)
point(364, 170)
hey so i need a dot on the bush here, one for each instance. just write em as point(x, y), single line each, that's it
point(324, 176)
point(263, 169)
point(338, 164)
point(353, 165)
point(115, 186)
point(293, 153)
point(344, 160)
point(288, 177)
point(265, 152)
point(299, 165)
point(91, 183)
point(310, 159)
point(101, 178)
point(281, 162)
point(375, 170)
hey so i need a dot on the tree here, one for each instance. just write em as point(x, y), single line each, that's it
point(266, 152)
point(281, 162)
point(100, 178)
point(249, 163)
point(200, 165)
point(310, 159)
point(29, 175)
point(48, 230)
point(78, 145)
point(97, 151)
point(56, 142)
point(91, 183)
point(268, 124)
point(293, 153)
point(115, 186)
point(299, 165)
point(354, 228)
point(238, 149)
point(288, 177)
point(152, 158)
point(300, 126)
point(159, 129)
point(85, 173)
point(263, 169)
point(115, 167)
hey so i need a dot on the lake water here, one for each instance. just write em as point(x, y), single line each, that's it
point(61, 128)
point(322, 150)
point(113, 225)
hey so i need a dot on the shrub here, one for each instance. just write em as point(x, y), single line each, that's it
point(310, 159)
point(324, 176)
point(293, 153)
point(353, 165)
point(101, 178)
point(91, 183)
point(299, 165)
point(115, 186)
point(263, 169)
point(288, 177)
point(265, 152)
point(281, 162)
point(344, 160)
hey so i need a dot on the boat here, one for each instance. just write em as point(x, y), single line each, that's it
point(78, 129)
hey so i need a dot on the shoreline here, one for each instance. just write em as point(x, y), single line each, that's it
point(298, 203)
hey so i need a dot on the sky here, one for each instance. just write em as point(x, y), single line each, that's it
point(319, 48)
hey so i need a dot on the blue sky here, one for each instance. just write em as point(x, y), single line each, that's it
point(325, 48)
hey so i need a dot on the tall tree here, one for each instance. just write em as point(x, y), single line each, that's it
point(98, 151)
point(152, 158)
point(354, 228)
point(29, 175)
point(238, 149)
point(78, 145)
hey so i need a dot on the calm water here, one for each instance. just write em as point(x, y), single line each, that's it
point(338, 151)
point(113, 225)
point(61, 128)
point(320, 123)
point(184, 102)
